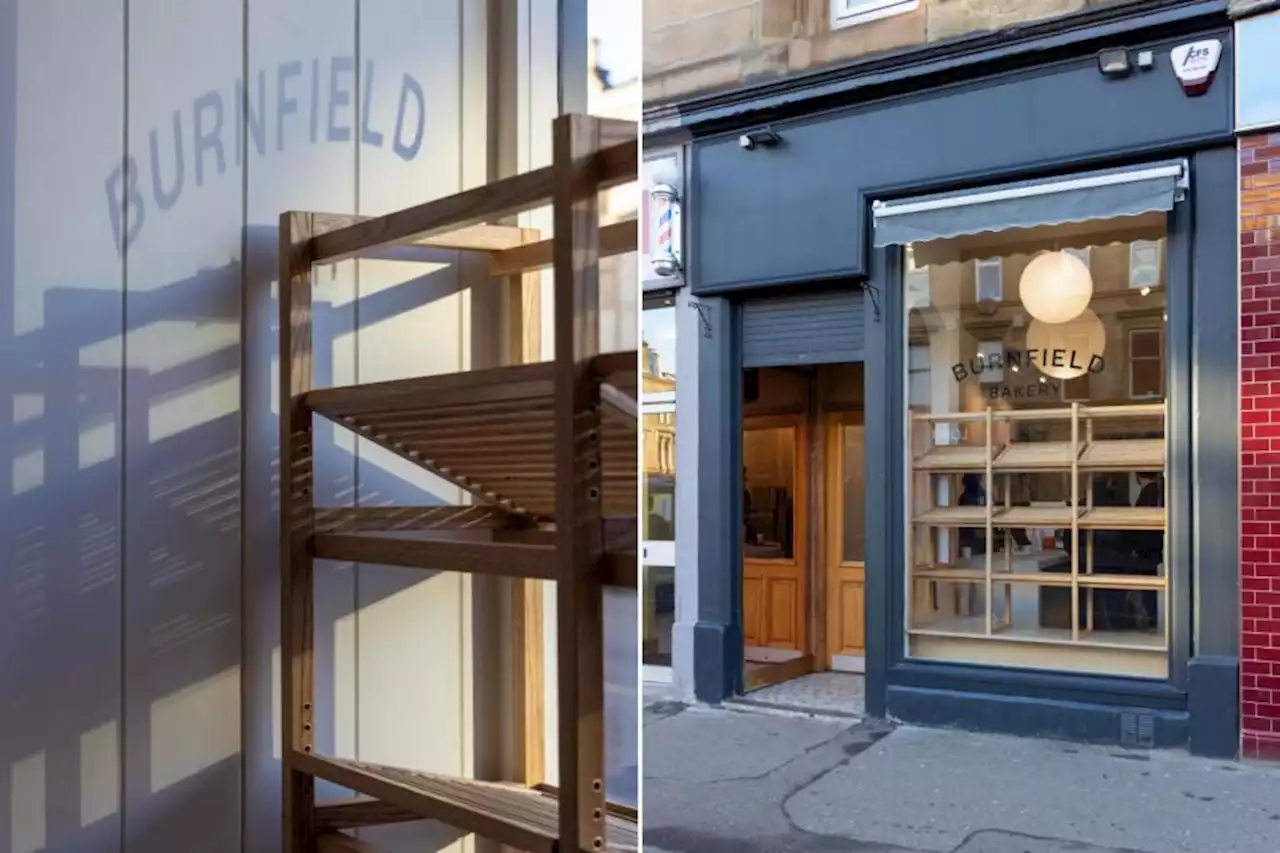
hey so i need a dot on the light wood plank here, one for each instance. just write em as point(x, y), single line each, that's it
point(496, 200)
point(505, 814)
point(527, 633)
point(388, 518)
point(297, 629)
point(491, 558)
point(334, 816)
point(579, 611)
point(618, 238)
point(474, 238)
point(428, 393)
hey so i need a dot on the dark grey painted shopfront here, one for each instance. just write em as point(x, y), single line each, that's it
point(779, 237)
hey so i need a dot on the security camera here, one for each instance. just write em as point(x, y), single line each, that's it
point(758, 138)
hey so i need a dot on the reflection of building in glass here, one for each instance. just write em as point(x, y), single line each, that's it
point(659, 452)
point(660, 429)
point(618, 99)
point(1005, 354)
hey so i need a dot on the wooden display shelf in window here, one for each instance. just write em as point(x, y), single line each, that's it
point(548, 454)
point(938, 471)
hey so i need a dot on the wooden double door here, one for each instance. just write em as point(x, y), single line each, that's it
point(803, 569)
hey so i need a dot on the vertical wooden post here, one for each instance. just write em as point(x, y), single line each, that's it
point(524, 311)
point(988, 592)
point(579, 595)
point(297, 521)
point(1075, 522)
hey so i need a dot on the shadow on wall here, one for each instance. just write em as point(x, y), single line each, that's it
point(68, 617)
point(65, 622)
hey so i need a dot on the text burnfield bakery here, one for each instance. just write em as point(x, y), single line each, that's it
point(1067, 362)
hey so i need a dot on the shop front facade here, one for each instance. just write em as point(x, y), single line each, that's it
point(945, 346)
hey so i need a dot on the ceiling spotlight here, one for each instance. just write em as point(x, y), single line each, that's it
point(1114, 63)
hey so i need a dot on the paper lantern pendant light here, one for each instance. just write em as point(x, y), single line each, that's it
point(1055, 287)
point(1068, 350)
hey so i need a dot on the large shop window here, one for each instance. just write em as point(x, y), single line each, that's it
point(1036, 433)
point(659, 521)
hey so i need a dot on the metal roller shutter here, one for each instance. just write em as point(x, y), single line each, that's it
point(807, 328)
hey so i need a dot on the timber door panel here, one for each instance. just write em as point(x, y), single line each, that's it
point(845, 542)
point(751, 598)
point(774, 530)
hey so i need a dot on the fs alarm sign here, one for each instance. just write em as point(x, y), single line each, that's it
point(1194, 64)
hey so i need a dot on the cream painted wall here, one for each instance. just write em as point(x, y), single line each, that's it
point(139, 652)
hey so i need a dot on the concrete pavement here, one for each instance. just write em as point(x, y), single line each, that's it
point(731, 780)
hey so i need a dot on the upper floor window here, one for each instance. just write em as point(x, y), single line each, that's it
point(1144, 264)
point(848, 13)
point(988, 280)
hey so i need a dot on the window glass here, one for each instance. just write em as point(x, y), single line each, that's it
point(854, 528)
point(768, 493)
point(659, 351)
point(1035, 387)
point(660, 477)
point(659, 613)
point(658, 523)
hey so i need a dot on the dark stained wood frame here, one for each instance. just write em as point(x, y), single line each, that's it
point(544, 521)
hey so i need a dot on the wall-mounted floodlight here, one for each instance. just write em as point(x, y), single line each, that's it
point(1114, 63)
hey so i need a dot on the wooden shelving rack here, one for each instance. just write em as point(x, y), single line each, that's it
point(547, 450)
point(990, 457)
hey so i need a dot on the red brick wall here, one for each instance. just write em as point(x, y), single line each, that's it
point(1260, 445)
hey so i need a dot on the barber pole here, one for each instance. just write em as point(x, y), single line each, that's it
point(664, 214)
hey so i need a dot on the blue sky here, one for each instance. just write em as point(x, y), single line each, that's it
point(616, 23)
point(1257, 42)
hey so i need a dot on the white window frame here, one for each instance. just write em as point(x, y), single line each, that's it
point(1062, 391)
point(979, 265)
point(1082, 253)
point(1134, 248)
point(915, 374)
point(1159, 332)
point(850, 13)
point(991, 375)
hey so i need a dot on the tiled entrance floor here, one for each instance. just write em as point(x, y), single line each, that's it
point(841, 692)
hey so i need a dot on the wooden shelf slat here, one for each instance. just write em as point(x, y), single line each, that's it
point(617, 238)
point(393, 518)
point(472, 238)
point(1155, 645)
point(1096, 581)
point(465, 427)
point(357, 813)
point(523, 818)
point(613, 165)
point(490, 558)
point(1122, 581)
point(954, 516)
point(443, 391)
point(519, 553)
point(1123, 518)
point(1124, 454)
point(1034, 456)
point(952, 457)
point(1034, 516)
point(949, 575)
